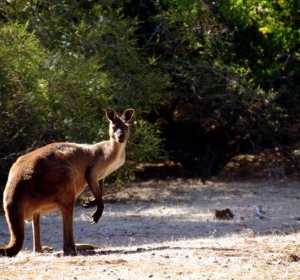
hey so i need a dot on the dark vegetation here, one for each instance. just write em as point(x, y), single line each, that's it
point(209, 79)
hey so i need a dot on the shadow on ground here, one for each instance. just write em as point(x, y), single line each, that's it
point(155, 212)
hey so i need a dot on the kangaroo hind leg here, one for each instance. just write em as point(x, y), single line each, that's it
point(66, 206)
point(37, 246)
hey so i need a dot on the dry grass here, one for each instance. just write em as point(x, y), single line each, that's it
point(167, 230)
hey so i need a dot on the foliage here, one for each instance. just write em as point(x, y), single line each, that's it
point(275, 28)
point(234, 72)
point(23, 91)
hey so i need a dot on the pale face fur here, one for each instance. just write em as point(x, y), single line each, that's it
point(119, 126)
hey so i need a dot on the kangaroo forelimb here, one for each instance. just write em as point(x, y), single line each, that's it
point(97, 214)
point(97, 189)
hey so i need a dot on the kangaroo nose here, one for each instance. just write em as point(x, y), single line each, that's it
point(120, 134)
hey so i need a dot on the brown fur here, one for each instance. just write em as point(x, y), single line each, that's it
point(53, 176)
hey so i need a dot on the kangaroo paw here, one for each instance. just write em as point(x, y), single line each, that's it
point(96, 216)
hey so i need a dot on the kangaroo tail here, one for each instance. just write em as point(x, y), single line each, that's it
point(15, 220)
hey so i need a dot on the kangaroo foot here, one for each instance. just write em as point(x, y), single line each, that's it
point(70, 252)
point(85, 247)
point(87, 203)
point(44, 249)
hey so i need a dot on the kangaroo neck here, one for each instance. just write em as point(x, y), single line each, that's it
point(116, 148)
point(110, 149)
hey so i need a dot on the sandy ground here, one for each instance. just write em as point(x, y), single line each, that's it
point(167, 230)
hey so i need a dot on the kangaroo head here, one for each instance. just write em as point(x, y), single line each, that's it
point(119, 125)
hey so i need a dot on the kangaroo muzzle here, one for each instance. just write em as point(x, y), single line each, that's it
point(120, 135)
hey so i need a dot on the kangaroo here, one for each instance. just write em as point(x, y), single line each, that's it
point(53, 176)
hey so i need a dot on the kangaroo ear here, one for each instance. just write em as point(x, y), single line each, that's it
point(127, 114)
point(110, 114)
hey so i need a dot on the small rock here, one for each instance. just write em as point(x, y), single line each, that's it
point(225, 214)
point(293, 258)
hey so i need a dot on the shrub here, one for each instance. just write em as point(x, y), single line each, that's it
point(23, 88)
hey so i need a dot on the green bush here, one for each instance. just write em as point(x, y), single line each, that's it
point(23, 92)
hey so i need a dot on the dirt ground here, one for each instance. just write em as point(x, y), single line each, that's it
point(168, 230)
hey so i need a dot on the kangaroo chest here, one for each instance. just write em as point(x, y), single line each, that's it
point(110, 165)
point(115, 165)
